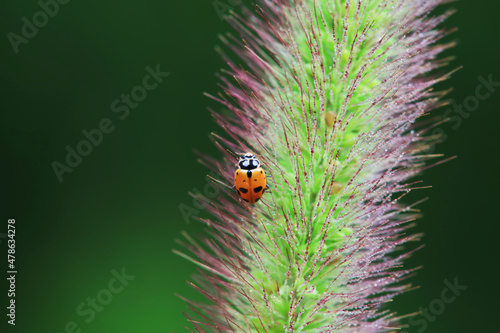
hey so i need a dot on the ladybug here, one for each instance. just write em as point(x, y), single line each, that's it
point(250, 179)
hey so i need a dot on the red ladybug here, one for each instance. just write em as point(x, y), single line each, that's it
point(250, 179)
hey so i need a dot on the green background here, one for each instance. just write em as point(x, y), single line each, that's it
point(120, 207)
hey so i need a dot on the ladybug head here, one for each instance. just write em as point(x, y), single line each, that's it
point(248, 156)
point(248, 162)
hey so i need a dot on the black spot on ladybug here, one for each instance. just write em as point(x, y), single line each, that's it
point(238, 193)
point(244, 181)
point(237, 173)
point(249, 174)
point(243, 190)
point(246, 200)
point(255, 180)
point(257, 199)
point(257, 189)
point(261, 172)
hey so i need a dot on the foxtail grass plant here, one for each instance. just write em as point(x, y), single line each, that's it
point(329, 94)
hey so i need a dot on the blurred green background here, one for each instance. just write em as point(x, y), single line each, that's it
point(119, 208)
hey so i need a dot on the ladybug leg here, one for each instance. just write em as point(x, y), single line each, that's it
point(234, 187)
point(266, 189)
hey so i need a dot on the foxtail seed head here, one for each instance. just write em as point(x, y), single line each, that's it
point(328, 93)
